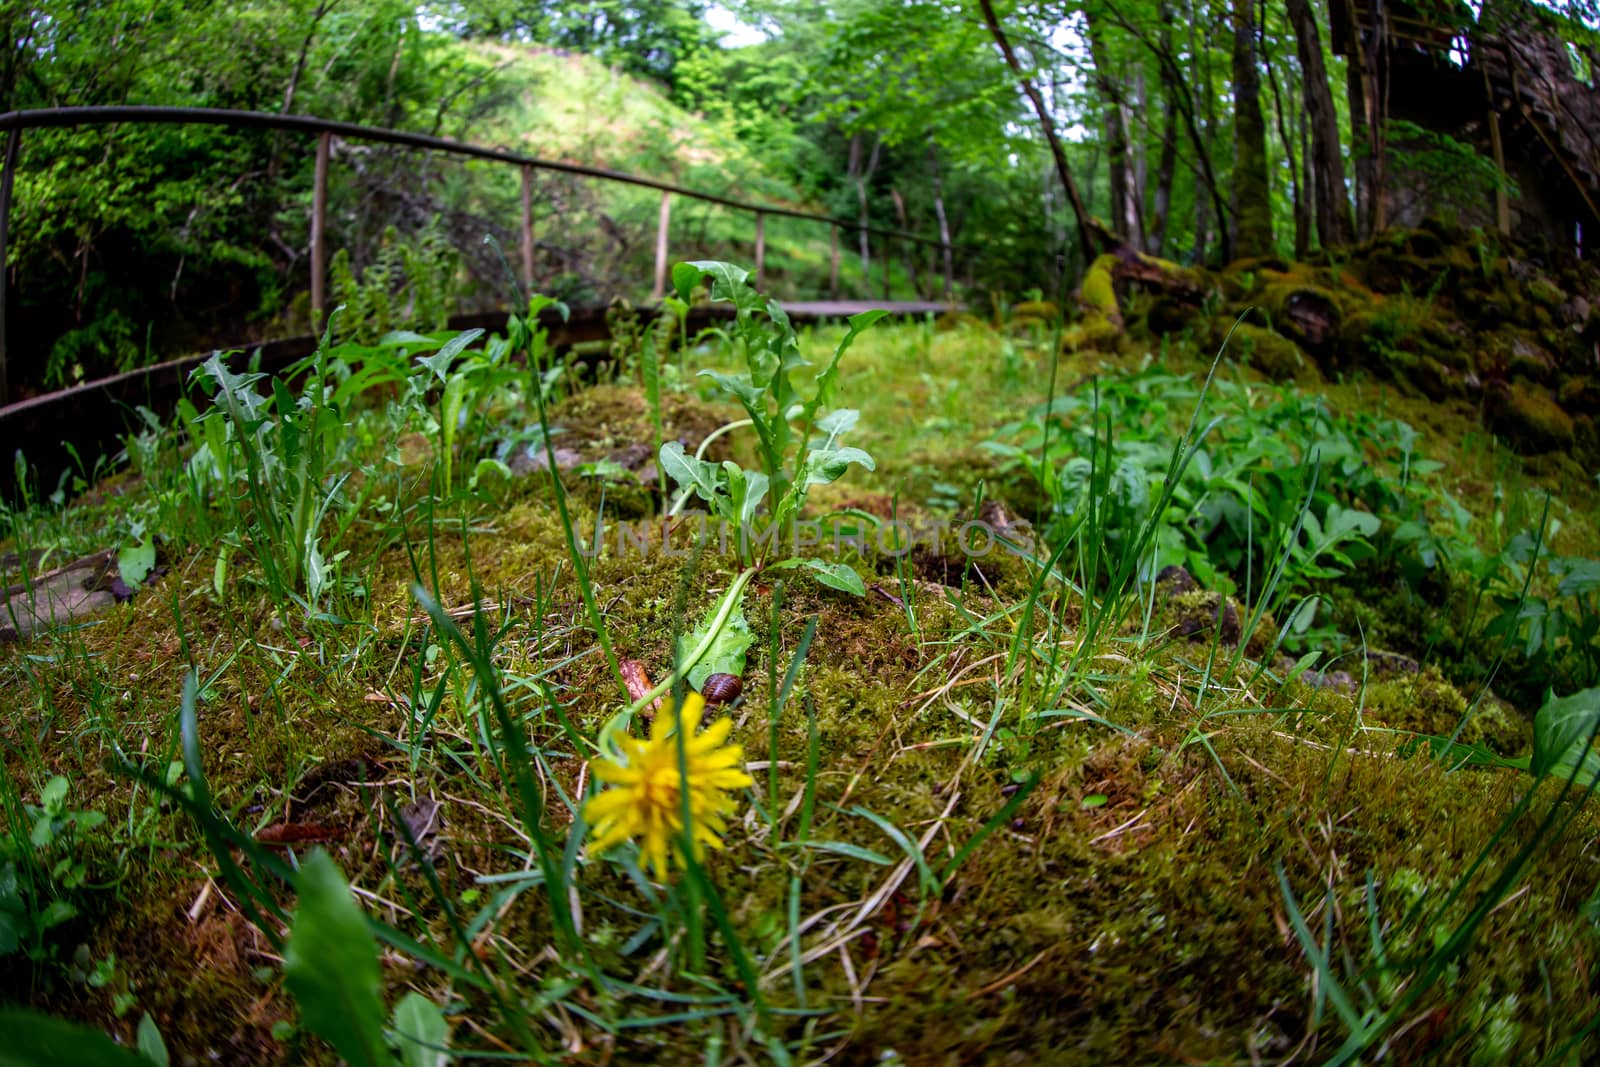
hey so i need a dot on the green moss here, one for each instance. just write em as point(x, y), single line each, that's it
point(1198, 614)
point(1139, 875)
point(1427, 703)
point(1529, 420)
point(1098, 292)
point(1276, 357)
point(1044, 311)
point(1094, 334)
point(1545, 293)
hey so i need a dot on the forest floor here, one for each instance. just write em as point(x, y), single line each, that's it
point(1199, 724)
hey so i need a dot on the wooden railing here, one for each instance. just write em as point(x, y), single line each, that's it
point(14, 122)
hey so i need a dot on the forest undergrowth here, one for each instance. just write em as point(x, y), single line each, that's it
point(1119, 704)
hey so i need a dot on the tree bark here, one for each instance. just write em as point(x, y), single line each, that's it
point(1297, 198)
point(1173, 77)
point(1327, 180)
point(1124, 197)
point(1166, 168)
point(1057, 151)
point(947, 254)
point(1251, 188)
point(861, 177)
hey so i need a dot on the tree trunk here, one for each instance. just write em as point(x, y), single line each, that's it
point(1123, 193)
point(1365, 132)
point(1166, 168)
point(947, 254)
point(1057, 151)
point(1251, 188)
point(1327, 176)
point(910, 246)
point(861, 177)
point(1297, 198)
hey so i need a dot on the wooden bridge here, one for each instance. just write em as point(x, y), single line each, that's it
point(91, 416)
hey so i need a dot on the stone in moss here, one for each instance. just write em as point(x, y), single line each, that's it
point(1395, 272)
point(1275, 356)
point(1197, 614)
point(1529, 420)
point(1530, 362)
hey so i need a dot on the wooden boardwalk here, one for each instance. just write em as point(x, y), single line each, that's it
point(91, 418)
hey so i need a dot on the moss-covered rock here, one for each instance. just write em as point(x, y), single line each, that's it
point(1437, 381)
point(1199, 615)
point(1580, 395)
point(1264, 349)
point(1427, 703)
point(1305, 313)
point(1529, 420)
point(1545, 293)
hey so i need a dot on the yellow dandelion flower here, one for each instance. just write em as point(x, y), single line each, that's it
point(644, 799)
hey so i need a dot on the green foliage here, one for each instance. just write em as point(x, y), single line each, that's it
point(409, 286)
point(43, 869)
point(1451, 174)
point(330, 965)
point(37, 1040)
point(798, 447)
point(1270, 454)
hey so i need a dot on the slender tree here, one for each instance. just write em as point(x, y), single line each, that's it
point(1251, 188)
point(1329, 196)
point(1057, 151)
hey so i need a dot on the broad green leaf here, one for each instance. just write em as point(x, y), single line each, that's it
point(749, 395)
point(705, 478)
point(422, 1031)
point(405, 339)
point(331, 965)
point(839, 421)
point(746, 488)
point(53, 797)
point(151, 1044)
point(727, 280)
point(1560, 726)
point(1578, 575)
point(685, 276)
point(33, 1039)
point(726, 654)
point(840, 576)
point(826, 465)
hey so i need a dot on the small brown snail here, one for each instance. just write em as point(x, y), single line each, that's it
point(722, 688)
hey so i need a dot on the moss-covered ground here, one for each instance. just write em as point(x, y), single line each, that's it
point(1203, 853)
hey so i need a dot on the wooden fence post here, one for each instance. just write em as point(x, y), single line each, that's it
point(319, 222)
point(660, 289)
point(761, 250)
point(833, 262)
point(527, 226)
point(888, 257)
point(13, 141)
